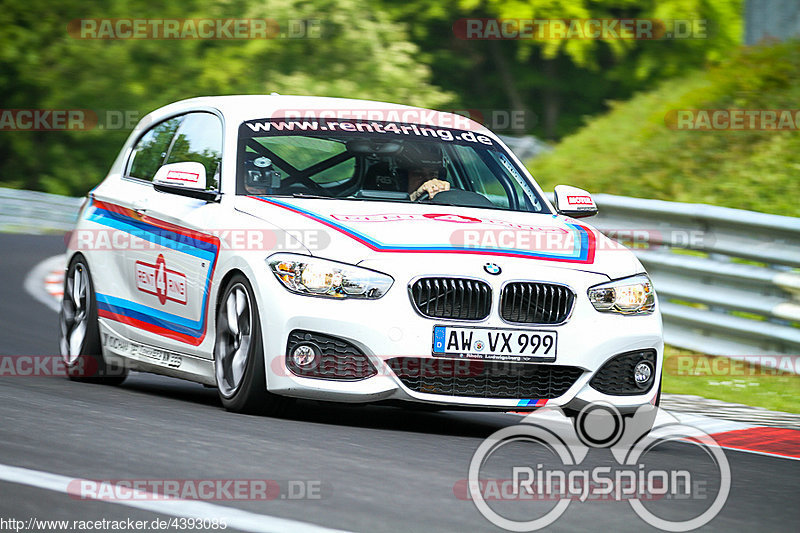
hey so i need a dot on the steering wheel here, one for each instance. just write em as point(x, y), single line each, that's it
point(462, 198)
point(297, 182)
point(424, 197)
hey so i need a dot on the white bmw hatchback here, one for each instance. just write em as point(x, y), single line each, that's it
point(282, 247)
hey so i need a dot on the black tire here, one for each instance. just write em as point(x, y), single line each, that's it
point(247, 394)
point(83, 355)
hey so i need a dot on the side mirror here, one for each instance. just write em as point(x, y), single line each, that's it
point(187, 178)
point(574, 202)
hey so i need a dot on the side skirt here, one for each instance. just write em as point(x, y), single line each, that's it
point(146, 358)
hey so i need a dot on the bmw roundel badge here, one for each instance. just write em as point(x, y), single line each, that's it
point(492, 268)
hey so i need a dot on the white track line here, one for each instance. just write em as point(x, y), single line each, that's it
point(709, 424)
point(34, 282)
point(234, 518)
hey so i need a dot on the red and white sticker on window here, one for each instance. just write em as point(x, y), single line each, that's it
point(160, 281)
point(183, 176)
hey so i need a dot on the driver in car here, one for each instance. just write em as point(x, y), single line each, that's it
point(425, 167)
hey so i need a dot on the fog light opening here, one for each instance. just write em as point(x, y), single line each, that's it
point(305, 356)
point(643, 373)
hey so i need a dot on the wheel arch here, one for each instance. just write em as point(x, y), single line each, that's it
point(223, 284)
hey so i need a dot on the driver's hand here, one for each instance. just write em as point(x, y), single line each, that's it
point(432, 187)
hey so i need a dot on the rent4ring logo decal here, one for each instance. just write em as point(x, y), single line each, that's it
point(356, 127)
point(160, 281)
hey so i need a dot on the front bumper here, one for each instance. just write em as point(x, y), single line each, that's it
point(390, 327)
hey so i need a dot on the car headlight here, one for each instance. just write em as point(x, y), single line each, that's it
point(320, 277)
point(629, 296)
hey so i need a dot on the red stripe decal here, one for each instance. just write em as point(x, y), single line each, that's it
point(152, 328)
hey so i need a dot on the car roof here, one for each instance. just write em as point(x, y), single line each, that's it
point(239, 108)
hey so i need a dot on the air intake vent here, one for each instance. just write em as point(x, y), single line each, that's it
point(536, 303)
point(455, 298)
point(484, 379)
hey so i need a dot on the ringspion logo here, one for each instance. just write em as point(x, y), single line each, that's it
point(543, 460)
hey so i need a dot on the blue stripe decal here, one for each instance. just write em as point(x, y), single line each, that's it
point(156, 235)
point(146, 314)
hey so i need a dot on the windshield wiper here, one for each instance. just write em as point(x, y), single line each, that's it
point(306, 195)
point(301, 195)
point(317, 196)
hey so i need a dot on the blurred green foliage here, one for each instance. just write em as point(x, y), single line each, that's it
point(559, 81)
point(361, 53)
point(403, 52)
point(630, 150)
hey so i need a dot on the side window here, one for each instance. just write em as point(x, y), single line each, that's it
point(199, 138)
point(151, 149)
point(499, 186)
point(482, 179)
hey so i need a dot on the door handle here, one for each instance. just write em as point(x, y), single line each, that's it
point(140, 206)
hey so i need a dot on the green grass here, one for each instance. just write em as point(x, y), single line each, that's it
point(720, 378)
point(630, 150)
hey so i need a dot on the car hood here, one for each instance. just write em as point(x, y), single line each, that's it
point(355, 231)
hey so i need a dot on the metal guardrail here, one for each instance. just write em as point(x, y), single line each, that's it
point(36, 212)
point(728, 280)
point(526, 147)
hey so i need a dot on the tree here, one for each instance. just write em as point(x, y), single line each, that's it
point(564, 79)
point(360, 52)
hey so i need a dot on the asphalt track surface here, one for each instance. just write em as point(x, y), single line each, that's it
point(381, 468)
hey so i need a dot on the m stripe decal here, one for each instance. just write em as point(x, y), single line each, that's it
point(170, 236)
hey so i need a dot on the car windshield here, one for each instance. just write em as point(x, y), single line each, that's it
point(383, 161)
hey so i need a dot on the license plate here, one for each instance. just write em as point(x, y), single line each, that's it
point(494, 343)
